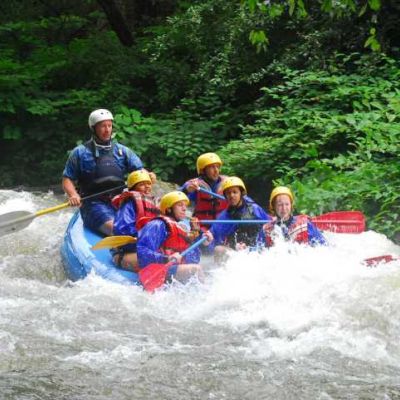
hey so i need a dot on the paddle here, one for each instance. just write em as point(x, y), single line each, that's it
point(328, 221)
point(235, 221)
point(114, 241)
point(17, 220)
point(341, 221)
point(336, 221)
point(218, 196)
point(153, 276)
point(373, 261)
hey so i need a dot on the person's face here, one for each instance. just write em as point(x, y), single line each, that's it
point(103, 130)
point(212, 171)
point(143, 187)
point(234, 196)
point(283, 206)
point(179, 210)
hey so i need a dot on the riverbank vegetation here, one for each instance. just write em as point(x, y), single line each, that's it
point(301, 93)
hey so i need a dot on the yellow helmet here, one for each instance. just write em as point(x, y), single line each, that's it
point(169, 199)
point(207, 159)
point(233, 181)
point(138, 176)
point(276, 192)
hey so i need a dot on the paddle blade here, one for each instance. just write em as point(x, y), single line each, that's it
point(341, 222)
point(113, 241)
point(15, 221)
point(373, 261)
point(153, 276)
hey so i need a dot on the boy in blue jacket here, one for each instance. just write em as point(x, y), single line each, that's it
point(240, 207)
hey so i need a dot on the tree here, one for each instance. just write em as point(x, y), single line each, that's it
point(300, 9)
point(117, 21)
point(124, 16)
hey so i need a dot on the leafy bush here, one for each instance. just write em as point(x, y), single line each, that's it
point(334, 137)
point(171, 143)
point(48, 80)
point(369, 186)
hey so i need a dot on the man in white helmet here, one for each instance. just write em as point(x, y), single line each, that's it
point(97, 166)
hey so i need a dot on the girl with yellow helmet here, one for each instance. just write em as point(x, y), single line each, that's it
point(206, 206)
point(297, 228)
point(132, 207)
point(240, 207)
point(164, 238)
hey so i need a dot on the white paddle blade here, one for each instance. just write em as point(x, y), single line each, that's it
point(15, 221)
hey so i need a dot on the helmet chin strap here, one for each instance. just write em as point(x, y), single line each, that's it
point(100, 143)
point(282, 221)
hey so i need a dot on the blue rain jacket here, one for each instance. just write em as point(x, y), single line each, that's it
point(222, 231)
point(150, 239)
point(315, 236)
point(125, 224)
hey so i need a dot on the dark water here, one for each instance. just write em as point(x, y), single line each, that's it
point(293, 323)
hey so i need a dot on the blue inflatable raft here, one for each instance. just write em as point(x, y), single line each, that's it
point(79, 259)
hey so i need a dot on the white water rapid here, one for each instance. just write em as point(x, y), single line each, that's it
point(289, 323)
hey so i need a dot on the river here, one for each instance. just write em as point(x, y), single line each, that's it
point(289, 323)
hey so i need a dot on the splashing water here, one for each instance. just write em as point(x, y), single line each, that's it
point(289, 322)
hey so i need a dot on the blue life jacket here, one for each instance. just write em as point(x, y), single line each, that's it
point(107, 174)
point(225, 234)
point(244, 233)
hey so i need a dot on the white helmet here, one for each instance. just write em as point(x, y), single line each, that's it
point(99, 115)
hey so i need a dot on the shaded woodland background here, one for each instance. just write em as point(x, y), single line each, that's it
point(302, 93)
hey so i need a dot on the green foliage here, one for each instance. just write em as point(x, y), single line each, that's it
point(259, 39)
point(334, 137)
point(296, 9)
point(372, 41)
point(280, 89)
point(369, 186)
point(204, 52)
point(50, 79)
point(171, 143)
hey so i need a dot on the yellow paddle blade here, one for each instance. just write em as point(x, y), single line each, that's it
point(113, 241)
